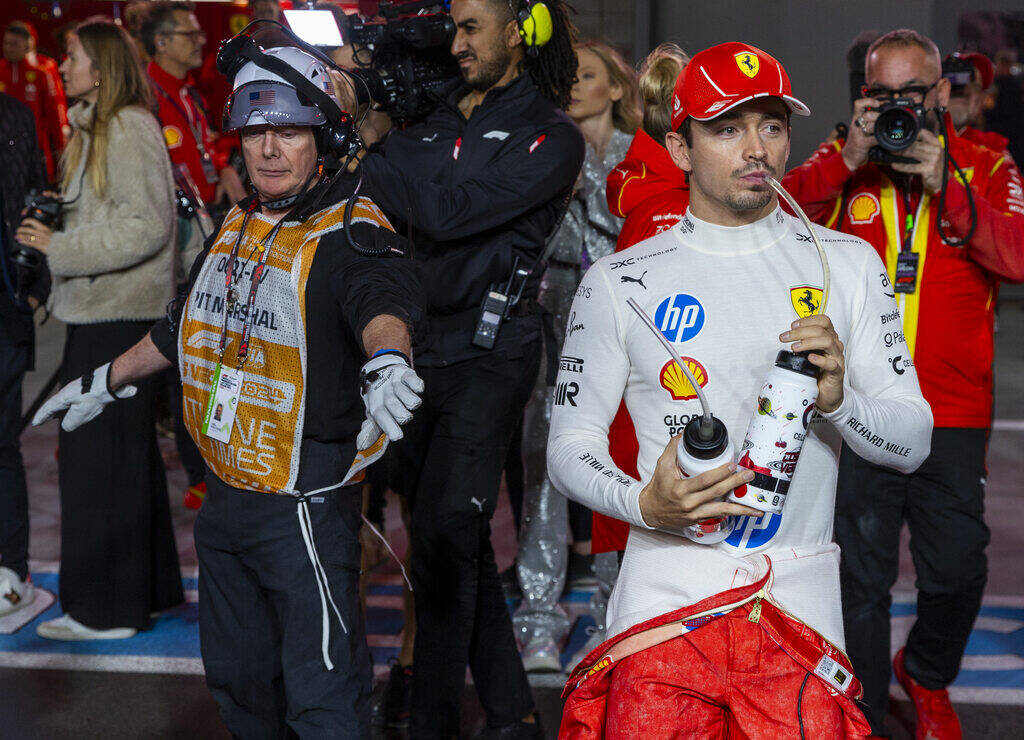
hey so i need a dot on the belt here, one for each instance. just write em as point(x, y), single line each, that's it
point(805, 646)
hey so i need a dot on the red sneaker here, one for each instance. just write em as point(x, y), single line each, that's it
point(194, 495)
point(936, 718)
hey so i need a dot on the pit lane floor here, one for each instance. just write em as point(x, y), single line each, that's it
point(151, 686)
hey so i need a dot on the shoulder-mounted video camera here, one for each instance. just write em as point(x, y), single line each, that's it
point(403, 59)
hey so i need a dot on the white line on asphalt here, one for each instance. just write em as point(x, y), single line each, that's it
point(1008, 425)
point(105, 663)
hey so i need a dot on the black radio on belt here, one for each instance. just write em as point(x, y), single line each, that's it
point(496, 306)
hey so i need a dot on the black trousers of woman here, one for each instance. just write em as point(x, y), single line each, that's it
point(118, 561)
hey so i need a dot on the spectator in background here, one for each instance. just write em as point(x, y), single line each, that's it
point(967, 100)
point(1006, 116)
point(173, 39)
point(54, 85)
point(112, 264)
point(605, 105)
point(171, 36)
point(29, 84)
point(214, 86)
point(651, 194)
point(22, 170)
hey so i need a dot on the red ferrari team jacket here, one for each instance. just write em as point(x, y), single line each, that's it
point(948, 319)
point(41, 91)
point(187, 133)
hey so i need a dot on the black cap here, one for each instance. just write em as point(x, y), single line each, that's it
point(797, 362)
point(705, 449)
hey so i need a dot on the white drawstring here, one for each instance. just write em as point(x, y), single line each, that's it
point(306, 527)
point(388, 545)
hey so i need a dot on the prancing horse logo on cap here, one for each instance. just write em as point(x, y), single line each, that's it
point(748, 63)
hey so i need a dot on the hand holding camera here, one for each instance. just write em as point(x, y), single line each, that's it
point(931, 161)
point(42, 217)
point(862, 133)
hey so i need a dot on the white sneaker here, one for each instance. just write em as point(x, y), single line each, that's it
point(66, 628)
point(541, 656)
point(14, 592)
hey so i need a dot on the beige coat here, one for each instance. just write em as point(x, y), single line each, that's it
point(114, 258)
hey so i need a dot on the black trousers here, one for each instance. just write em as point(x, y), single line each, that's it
point(942, 504)
point(260, 614)
point(450, 464)
point(191, 458)
point(14, 361)
point(119, 561)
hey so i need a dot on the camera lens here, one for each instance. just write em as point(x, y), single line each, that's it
point(896, 128)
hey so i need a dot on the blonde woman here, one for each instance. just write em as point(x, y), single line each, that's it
point(605, 105)
point(113, 274)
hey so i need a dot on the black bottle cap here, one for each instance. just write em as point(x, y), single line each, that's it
point(705, 449)
point(797, 362)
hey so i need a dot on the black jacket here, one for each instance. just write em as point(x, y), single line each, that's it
point(478, 193)
point(21, 169)
point(345, 291)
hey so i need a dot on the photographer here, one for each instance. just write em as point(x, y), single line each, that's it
point(949, 223)
point(23, 170)
point(283, 307)
point(970, 75)
point(112, 263)
point(482, 181)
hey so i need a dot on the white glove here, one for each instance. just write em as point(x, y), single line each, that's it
point(390, 391)
point(83, 399)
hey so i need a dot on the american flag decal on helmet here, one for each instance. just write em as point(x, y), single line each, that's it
point(263, 97)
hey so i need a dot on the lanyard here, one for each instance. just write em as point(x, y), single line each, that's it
point(905, 242)
point(230, 298)
point(197, 131)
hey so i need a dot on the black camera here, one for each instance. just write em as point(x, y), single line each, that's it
point(898, 124)
point(48, 211)
point(28, 261)
point(959, 72)
point(404, 60)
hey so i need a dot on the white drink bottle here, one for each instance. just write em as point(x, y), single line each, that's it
point(696, 455)
point(705, 445)
point(777, 431)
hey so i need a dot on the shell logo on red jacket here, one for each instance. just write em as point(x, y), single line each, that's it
point(863, 208)
point(172, 137)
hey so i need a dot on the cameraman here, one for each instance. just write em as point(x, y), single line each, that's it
point(23, 170)
point(946, 246)
point(482, 181)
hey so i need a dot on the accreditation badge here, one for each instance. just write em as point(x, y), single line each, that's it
point(222, 403)
point(906, 272)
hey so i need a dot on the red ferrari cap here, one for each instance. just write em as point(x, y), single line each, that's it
point(981, 63)
point(724, 76)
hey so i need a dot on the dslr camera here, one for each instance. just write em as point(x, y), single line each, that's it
point(898, 124)
point(29, 262)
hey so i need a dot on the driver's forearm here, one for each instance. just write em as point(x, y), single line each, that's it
point(141, 361)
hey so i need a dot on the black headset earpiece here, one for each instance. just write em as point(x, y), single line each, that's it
point(534, 21)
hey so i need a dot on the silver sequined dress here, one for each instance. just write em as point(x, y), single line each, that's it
point(588, 233)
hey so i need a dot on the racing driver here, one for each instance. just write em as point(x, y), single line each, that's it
point(743, 637)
